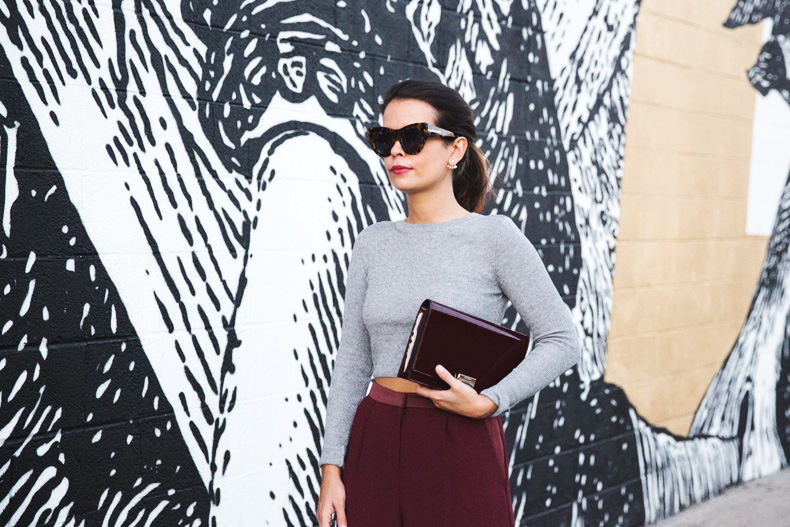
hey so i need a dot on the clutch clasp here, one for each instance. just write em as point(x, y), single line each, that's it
point(466, 379)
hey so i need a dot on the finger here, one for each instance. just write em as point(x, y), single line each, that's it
point(324, 519)
point(425, 392)
point(433, 395)
point(341, 515)
point(446, 376)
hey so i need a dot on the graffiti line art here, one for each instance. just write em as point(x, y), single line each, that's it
point(181, 184)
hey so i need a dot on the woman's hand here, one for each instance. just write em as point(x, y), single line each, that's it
point(332, 497)
point(460, 398)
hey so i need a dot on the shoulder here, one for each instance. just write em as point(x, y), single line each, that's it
point(372, 236)
point(503, 227)
point(375, 231)
point(511, 241)
point(499, 220)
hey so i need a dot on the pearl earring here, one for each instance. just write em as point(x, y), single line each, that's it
point(452, 167)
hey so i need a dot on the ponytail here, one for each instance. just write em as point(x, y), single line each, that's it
point(471, 185)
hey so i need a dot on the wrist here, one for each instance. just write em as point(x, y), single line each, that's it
point(488, 406)
point(329, 472)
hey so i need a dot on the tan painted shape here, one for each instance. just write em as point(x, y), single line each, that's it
point(685, 271)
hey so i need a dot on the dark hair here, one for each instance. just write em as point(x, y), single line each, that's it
point(470, 179)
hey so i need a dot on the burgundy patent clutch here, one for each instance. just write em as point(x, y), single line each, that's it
point(475, 351)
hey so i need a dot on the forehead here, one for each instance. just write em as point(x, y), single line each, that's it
point(401, 112)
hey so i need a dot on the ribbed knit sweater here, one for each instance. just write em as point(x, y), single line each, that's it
point(475, 263)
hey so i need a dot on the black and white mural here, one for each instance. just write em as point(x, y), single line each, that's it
point(741, 429)
point(749, 399)
point(180, 187)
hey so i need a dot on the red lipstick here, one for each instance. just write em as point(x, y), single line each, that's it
point(399, 169)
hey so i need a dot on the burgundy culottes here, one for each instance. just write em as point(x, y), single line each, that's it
point(410, 464)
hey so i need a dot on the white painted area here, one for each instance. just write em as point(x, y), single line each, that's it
point(770, 163)
point(11, 186)
point(292, 225)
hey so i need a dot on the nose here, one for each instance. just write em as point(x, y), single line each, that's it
point(396, 149)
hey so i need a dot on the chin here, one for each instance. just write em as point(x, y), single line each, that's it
point(403, 188)
point(400, 183)
point(403, 183)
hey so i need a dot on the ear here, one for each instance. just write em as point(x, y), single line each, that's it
point(459, 148)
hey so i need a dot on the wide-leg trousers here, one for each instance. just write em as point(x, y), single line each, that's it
point(410, 464)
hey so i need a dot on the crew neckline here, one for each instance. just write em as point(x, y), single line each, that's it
point(403, 225)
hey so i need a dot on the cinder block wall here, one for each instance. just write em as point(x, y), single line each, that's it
point(685, 270)
point(171, 310)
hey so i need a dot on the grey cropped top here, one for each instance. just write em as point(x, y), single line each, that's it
point(475, 263)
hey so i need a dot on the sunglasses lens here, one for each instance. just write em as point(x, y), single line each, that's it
point(382, 142)
point(412, 140)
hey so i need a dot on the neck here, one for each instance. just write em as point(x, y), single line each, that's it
point(435, 216)
point(433, 208)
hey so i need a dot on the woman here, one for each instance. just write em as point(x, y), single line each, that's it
point(406, 455)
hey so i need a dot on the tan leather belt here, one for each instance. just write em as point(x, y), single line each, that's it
point(397, 384)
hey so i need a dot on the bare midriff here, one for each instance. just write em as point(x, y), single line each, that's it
point(397, 384)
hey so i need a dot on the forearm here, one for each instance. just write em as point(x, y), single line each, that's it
point(548, 359)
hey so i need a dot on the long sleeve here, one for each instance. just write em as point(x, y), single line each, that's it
point(525, 281)
point(353, 363)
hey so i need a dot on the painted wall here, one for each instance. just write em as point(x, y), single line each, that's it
point(685, 269)
point(181, 185)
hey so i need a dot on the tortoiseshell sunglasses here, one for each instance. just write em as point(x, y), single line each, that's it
point(412, 137)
